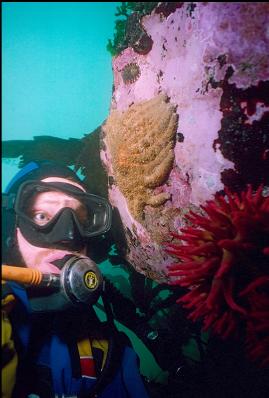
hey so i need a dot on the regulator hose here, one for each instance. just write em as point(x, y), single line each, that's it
point(79, 281)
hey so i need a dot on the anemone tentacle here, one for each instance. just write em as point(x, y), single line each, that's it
point(223, 260)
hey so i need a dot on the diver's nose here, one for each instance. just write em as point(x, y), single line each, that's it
point(66, 230)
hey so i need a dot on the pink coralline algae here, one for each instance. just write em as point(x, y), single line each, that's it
point(224, 263)
point(211, 60)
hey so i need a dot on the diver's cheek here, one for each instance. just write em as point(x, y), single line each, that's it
point(42, 258)
point(28, 252)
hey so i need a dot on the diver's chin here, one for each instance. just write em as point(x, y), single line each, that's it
point(48, 263)
point(48, 268)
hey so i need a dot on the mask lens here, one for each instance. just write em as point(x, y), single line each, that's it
point(42, 205)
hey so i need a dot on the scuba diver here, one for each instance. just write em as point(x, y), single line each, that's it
point(53, 343)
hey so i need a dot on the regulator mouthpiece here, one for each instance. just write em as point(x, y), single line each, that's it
point(81, 281)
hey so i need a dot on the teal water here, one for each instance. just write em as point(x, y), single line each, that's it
point(57, 74)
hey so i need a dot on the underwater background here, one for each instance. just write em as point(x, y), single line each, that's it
point(164, 108)
point(56, 70)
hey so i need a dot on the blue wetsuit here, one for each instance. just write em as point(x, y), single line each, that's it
point(50, 364)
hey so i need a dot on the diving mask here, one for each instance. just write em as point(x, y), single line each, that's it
point(60, 226)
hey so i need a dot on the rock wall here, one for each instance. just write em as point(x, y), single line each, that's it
point(206, 73)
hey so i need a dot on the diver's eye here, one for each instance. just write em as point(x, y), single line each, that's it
point(41, 218)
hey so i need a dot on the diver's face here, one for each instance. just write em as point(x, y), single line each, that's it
point(45, 206)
